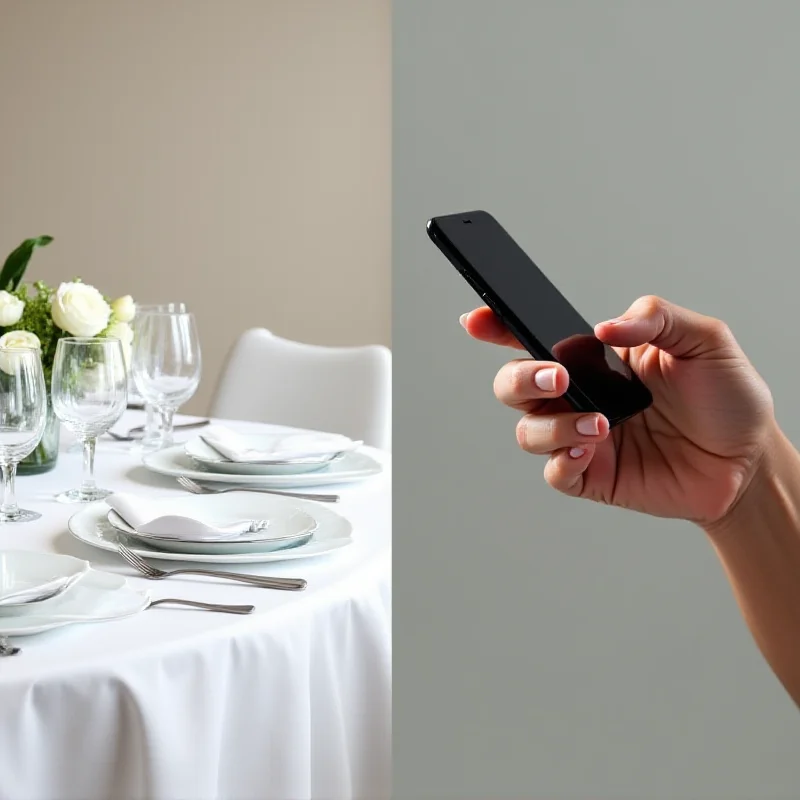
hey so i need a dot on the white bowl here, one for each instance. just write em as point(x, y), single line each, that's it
point(209, 458)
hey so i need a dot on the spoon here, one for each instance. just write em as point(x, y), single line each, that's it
point(6, 648)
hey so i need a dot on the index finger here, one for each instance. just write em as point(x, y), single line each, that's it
point(484, 325)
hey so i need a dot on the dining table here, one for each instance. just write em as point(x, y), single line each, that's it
point(290, 702)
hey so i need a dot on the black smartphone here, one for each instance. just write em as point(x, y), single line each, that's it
point(541, 318)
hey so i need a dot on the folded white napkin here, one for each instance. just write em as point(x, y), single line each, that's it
point(144, 517)
point(308, 444)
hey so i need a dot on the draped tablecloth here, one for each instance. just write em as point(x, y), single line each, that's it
point(290, 702)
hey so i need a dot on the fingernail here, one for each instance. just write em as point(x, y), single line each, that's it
point(618, 321)
point(576, 452)
point(463, 320)
point(588, 425)
point(545, 379)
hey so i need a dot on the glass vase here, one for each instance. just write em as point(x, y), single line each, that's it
point(45, 456)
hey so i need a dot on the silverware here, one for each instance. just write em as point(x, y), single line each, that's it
point(184, 426)
point(205, 606)
point(134, 434)
point(120, 438)
point(149, 571)
point(47, 594)
point(6, 648)
point(196, 488)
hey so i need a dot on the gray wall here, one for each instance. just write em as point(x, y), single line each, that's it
point(631, 148)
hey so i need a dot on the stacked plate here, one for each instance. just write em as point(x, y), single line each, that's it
point(41, 591)
point(233, 528)
point(271, 461)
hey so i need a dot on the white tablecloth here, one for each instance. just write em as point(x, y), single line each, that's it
point(290, 702)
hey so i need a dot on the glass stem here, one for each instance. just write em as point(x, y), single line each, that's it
point(88, 485)
point(151, 424)
point(9, 508)
point(167, 415)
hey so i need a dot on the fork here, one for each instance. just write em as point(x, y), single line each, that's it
point(139, 429)
point(149, 571)
point(196, 488)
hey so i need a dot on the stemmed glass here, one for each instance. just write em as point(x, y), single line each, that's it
point(166, 364)
point(23, 416)
point(89, 394)
point(150, 437)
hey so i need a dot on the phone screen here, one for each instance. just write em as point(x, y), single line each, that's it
point(526, 300)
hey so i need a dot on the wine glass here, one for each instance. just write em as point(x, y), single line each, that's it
point(166, 364)
point(89, 394)
point(150, 437)
point(23, 416)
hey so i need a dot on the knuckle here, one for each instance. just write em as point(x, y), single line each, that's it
point(522, 433)
point(516, 377)
point(509, 383)
point(553, 430)
point(552, 474)
point(649, 303)
point(720, 330)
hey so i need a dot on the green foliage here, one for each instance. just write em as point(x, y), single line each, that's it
point(36, 318)
point(17, 262)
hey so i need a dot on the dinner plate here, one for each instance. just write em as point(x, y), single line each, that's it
point(333, 532)
point(26, 575)
point(174, 461)
point(206, 457)
point(289, 526)
point(96, 597)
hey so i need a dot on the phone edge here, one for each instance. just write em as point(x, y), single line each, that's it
point(579, 401)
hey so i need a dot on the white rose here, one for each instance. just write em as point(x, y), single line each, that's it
point(124, 308)
point(123, 332)
point(11, 309)
point(79, 309)
point(12, 340)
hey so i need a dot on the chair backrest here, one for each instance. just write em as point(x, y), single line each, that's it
point(345, 390)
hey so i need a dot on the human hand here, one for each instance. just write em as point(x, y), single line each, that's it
point(690, 455)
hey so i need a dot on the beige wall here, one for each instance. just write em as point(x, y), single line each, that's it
point(233, 154)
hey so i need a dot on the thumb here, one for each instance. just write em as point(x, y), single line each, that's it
point(675, 330)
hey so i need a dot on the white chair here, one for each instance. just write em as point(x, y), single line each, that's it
point(345, 390)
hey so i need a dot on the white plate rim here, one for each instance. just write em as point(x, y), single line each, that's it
point(318, 478)
point(94, 514)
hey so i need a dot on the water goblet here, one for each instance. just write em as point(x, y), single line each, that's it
point(166, 364)
point(23, 417)
point(89, 394)
point(151, 435)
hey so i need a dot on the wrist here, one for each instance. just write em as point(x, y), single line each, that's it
point(772, 487)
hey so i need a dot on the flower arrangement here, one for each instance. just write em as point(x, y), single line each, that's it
point(38, 315)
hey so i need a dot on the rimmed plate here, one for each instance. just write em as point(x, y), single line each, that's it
point(351, 467)
point(333, 532)
point(208, 458)
point(289, 526)
point(96, 597)
point(48, 575)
